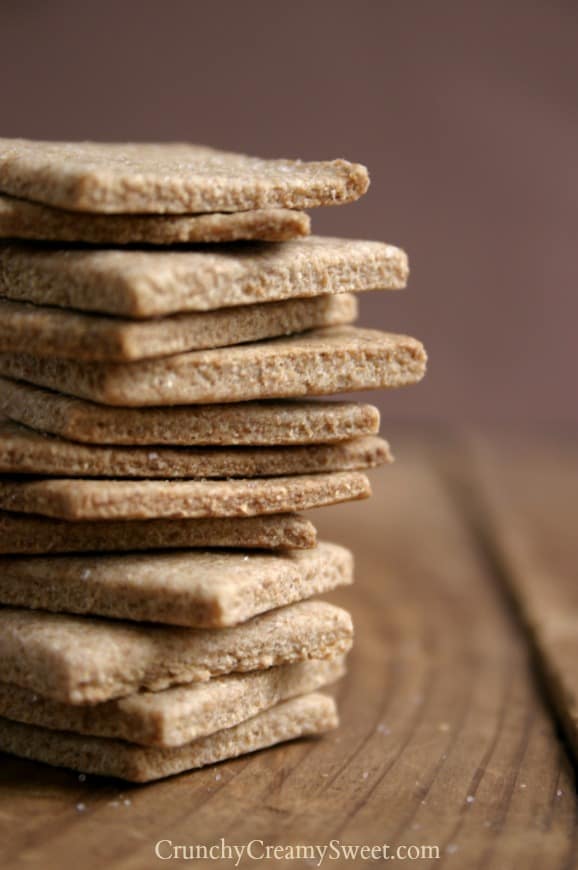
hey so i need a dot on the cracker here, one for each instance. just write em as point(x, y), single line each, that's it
point(169, 178)
point(24, 451)
point(299, 717)
point(316, 363)
point(84, 660)
point(21, 533)
point(246, 423)
point(136, 283)
point(75, 335)
point(22, 219)
point(199, 589)
point(178, 715)
point(80, 499)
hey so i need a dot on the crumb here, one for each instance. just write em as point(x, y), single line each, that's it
point(82, 777)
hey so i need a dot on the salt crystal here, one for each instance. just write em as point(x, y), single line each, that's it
point(452, 848)
point(470, 799)
point(365, 774)
point(559, 793)
point(85, 573)
point(80, 808)
point(127, 802)
point(218, 776)
point(81, 777)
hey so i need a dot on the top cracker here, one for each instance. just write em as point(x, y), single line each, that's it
point(169, 178)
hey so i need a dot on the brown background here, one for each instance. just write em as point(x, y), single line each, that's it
point(465, 112)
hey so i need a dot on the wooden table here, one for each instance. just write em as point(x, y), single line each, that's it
point(466, 612)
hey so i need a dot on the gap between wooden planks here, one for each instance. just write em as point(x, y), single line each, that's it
point(444, 737)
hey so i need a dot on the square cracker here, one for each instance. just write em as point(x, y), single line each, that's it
point(199, 589)
point(22, 219)
point(24, 451)
point(305, 715)
point(169, 177)
point(137, 283)
point(65, 334)
point(316, 363)
point(245, 423)
point(177, 715)
point(81, 499)
point(84, 660)
point(28, 534)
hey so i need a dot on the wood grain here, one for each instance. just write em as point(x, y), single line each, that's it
point(444, 740)
point(528, 499)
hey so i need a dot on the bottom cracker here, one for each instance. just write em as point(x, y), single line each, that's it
point(303, 716)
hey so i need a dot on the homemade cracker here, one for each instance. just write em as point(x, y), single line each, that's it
point(28, 534)
point(199, 589)
point(178, 715)
point(136, 283)
point(245, 423)
point(169, 178)
point(80, 499)
point(74, 335)
point(316, 363)
point(84, 660)
point(25, 451)
point(299, 717)
point(22, 219)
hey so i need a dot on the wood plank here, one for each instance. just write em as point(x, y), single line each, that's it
point(528, 498)
point(440, 707)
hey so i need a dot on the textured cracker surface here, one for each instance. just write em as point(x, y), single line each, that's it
point(81, 499)
point(177, 715)
point(28, 534)
point(246, 423)
point(136, 283)
point(80, 660)
point(306, 715)
point(316, 363)
point(22, 219)
point(169, 177)
point(25, 451)
point(79, 336)
point(200, 589)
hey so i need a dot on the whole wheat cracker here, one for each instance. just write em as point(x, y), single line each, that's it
point(85, 660)
point(177, 715)
point(82, 499)
point(23, 219)
point(199, 588)
point(28, 534)
point(245, 423)
point(316, 363)
point(24, 451)
point(170, 177)
point(67, 334)
point(305, 715)
point(151, 283)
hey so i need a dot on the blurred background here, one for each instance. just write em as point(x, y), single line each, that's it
point(465, 112)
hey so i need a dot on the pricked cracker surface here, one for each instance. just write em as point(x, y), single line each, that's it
point(316, 363)
point(136, 283)
point(200, 589)
point(84, 660)
point(245, 423)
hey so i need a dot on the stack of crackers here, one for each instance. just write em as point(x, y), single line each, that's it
point(165, 320)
